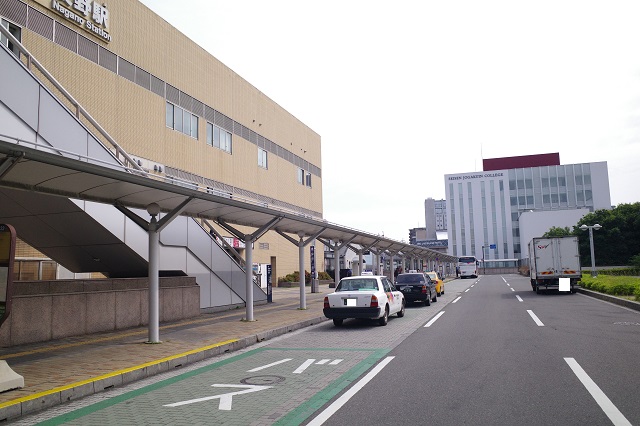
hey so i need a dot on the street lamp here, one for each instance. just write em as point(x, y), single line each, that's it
point(593, 259)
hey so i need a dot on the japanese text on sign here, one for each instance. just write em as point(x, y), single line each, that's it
point(88, 14)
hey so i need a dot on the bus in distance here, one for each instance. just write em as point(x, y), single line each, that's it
point(468, 266)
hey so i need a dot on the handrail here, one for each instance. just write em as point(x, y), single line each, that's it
point(128, 161)
point(225, 244)
point(234, 255)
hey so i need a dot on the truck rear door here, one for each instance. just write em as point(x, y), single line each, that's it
point(545, 257)
point(568, 256)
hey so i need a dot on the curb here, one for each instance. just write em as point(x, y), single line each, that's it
point(609, 298)
point(60, 395)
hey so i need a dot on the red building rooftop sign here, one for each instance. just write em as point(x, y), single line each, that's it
point(523, 161)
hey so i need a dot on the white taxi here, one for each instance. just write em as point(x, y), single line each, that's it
point(369, 296)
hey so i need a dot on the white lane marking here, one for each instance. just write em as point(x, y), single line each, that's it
point(457, 299)
point(226, 399)
point(509, 284)
point(616, 417)
point(503, 279)
point(535, 318)
point(434, 319)
point(519, 298)
point(322, 361)
point(335, 362)
point(338, 403)
point(304, 366)
point(467, 290)
point(472, 285)
point(512, 289)
point(269, 365)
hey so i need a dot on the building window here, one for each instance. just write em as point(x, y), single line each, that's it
point(304, 178)
point(169, 115)
point(218, 137)
point(194, 126)
point(177, 118)
point(209, 134)
point(181, 120)
point(262, 158)
point(15, 31)
point(263, 246)
point(34, 269)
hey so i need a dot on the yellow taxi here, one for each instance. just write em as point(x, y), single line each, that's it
point(435, 277)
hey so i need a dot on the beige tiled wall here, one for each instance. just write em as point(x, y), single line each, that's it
point(135, 116)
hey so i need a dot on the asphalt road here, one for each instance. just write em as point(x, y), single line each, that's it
point(487, 361)
point(482, 359)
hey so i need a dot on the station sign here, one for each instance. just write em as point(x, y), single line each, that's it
point(90, 15)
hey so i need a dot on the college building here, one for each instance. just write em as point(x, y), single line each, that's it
point(493, 214)
point(174, 108)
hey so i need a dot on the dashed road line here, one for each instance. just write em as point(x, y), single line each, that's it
point(519, 298)
point(434, 319)
point(535, 318)
point(616, 417)
point(459, 297)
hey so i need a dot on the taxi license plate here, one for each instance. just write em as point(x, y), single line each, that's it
point(350, 302)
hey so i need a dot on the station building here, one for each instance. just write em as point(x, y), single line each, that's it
point(493, 214)
point(176, 109)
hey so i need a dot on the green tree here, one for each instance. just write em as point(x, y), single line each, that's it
point(557, 232)
point(617, 241)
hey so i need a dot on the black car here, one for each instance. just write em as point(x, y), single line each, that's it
point(417, 286)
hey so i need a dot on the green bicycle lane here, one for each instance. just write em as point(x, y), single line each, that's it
point(262, 386)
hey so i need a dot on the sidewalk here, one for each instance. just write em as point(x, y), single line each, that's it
point(63, 370)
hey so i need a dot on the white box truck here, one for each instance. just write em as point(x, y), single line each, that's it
point(551, 259)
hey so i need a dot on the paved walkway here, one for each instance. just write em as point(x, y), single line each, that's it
point(63, 370)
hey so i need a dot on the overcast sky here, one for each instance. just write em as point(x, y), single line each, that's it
point(405, 92)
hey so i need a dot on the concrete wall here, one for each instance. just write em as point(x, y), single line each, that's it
point(48, 310)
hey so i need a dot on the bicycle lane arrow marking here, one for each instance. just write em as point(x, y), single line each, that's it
point(226, 399)
point(269, 365)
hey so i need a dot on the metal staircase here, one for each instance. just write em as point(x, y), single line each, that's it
point(85, 236)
